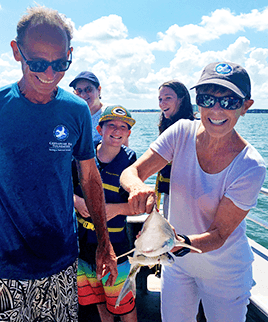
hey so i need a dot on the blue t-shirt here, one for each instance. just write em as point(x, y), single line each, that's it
point(37, 142)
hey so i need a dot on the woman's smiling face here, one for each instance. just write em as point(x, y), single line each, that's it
point(217, 121)
point(168, 101)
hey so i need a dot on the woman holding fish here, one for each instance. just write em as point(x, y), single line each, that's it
point(215, 179)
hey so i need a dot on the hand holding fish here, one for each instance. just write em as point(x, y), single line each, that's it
point(141, 199)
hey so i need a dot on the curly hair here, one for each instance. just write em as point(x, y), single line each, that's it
point(185, 110)
point(41, 15)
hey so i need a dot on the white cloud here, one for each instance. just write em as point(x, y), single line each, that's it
point(220, 22)
point(104, 29)
point(128, 68)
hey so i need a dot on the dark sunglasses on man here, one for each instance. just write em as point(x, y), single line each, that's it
point(40, 66)
point(226, 102)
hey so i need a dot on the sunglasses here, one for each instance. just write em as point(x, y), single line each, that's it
point(226, 102)
point(40, 66)
point(79, 91)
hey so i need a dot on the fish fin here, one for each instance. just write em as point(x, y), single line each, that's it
point(178, 243)
point(129, 285)
point(125, 254)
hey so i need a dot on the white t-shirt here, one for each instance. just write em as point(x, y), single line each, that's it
point(195, 195)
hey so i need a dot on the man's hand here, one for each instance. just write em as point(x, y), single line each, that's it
point(106, 262)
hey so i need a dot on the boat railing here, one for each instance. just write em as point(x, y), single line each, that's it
point(256, 219)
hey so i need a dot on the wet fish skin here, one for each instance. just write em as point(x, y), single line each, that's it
point(157, 237)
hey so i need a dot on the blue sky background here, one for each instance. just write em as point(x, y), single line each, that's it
point(134, 46)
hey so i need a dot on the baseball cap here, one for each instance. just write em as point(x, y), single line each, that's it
point(117, 112)
point(229, 75)
point(85, 75)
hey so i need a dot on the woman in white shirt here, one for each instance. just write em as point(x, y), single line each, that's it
point(215, 179)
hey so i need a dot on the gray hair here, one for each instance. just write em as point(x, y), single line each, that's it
point(41, 15)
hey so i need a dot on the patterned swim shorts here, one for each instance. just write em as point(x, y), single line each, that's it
point(50, 299)
point(93, 291)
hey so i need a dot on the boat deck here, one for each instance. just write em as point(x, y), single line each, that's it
point(148, 304)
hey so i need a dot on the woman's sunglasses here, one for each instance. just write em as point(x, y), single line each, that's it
point(226, 102)
point(40, 66)
point(79, 91)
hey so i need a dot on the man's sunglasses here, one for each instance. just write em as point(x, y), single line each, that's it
point(226, 102)
point(40, 66)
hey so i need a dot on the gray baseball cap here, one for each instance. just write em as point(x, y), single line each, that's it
point(229, 75)
point(85, 75)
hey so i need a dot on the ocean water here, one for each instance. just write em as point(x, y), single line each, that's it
point(253, 127)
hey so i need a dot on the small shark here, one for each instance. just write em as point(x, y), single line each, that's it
point(153, 246)
point(137, 261)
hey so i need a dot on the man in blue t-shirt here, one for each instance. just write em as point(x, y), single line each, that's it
point(42, 129)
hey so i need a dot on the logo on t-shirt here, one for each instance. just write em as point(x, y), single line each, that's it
point(61, 133)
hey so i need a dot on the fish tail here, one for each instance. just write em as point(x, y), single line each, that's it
point(129, 285)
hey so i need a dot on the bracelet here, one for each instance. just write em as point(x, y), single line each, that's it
point(185, 250)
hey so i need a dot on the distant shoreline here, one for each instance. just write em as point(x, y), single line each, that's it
point(158, 111)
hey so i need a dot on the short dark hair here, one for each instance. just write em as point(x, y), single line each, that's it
point(41, 15)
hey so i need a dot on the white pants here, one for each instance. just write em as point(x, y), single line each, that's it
point(181, 294)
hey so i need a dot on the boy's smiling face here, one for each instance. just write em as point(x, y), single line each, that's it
point(114, 132)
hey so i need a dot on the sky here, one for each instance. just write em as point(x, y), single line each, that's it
point(135, 46)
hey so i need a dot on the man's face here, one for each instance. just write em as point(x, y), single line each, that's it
point(38, 45)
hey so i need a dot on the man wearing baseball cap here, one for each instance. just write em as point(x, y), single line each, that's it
point(87, 86)
point(215, 180)
point(112, 157)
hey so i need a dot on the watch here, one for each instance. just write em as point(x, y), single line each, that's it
point(184, 250)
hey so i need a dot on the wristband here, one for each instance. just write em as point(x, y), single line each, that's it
point(185, 250)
